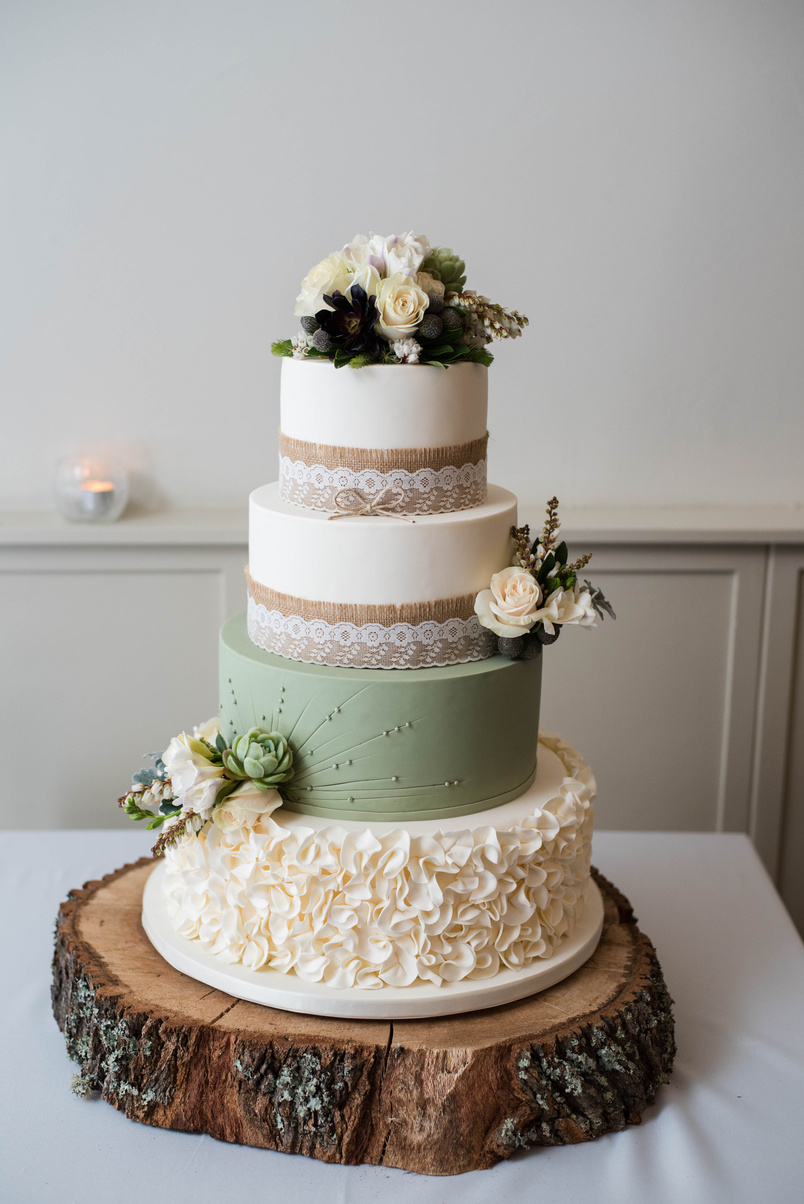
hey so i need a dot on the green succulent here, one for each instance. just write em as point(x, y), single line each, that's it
point(444, 265)
point(263, 757)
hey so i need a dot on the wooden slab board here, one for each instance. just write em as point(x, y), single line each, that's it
point(438, 1096)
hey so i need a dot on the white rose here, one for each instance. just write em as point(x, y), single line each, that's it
point(367, 277)
point(401, 305)
point(406, 253)
point(370, 251)
point(330, 274)
point(196, 781)
point(583, 600)
point(567, 606)
point(510, 607)
point(429, 283)
point(244, 807)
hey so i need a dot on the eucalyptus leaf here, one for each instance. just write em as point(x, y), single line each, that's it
point(599, 601)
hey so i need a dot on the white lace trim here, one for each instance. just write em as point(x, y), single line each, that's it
point(426, 491)
point(371, 645)
point(353, 909)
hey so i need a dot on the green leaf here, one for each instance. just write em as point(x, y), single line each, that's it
point(562, 555)
point(361, 361)
point(225, 791)
point(282, 347)
point(546, 566)
point(220, 743)
point(447, 338)
point(134, 811)
point(479, 355)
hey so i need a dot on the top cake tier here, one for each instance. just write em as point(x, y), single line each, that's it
point(411, 438)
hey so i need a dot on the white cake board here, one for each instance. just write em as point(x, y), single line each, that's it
point(290, 993)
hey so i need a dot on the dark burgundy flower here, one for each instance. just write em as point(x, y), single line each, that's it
point(351, 320)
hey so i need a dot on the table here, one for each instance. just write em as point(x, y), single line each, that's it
point(727, 1129)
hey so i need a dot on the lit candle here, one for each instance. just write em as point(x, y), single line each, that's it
point(96, 498)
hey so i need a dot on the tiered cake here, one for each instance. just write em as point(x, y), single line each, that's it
point(375, 808)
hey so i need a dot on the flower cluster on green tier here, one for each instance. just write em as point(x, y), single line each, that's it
point(200, 779)
point(528, 604)
point(395, 300)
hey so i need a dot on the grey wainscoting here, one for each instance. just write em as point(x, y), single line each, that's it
point(690, 707)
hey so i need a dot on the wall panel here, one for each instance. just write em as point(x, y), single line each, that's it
point(661, 701)
point(104, 655)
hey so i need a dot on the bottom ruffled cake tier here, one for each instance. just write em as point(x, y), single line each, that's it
point(376, 905)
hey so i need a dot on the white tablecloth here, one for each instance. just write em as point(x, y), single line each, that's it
point(728, 1128)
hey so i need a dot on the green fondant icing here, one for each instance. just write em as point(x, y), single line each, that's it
point(390, 744)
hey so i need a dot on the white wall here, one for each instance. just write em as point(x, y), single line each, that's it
point(628, 173)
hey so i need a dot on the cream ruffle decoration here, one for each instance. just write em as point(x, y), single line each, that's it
point(354, 909)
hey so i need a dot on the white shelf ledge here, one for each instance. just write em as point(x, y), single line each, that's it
point(228, 526)
point(167, 527)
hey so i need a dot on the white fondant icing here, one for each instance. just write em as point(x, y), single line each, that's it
point(377, 560)
point(372, 906)
point(383, 405)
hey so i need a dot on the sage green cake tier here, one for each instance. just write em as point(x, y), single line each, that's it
point(397, 744)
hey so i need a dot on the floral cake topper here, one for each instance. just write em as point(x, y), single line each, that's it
point(395, 300)
point(529, 603)
point(199, 778)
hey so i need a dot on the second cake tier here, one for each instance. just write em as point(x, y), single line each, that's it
point(412, 744)
point(373, 590)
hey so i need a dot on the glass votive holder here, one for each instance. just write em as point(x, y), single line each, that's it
point(91, 491)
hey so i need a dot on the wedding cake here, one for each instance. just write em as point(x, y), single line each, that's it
point(374, 808)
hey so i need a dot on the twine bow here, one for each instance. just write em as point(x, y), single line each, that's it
point(350, 503)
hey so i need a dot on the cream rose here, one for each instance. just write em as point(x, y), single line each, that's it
point(330, 274)
point(429, 283)
point(244, 807)
point(401, 305)
point(510, 606)
point(209, 730)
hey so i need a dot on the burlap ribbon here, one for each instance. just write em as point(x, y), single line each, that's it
point(361, 614)
point(425, 480)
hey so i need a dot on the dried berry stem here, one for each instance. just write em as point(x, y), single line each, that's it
point(551, 526)
point(499, 322)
